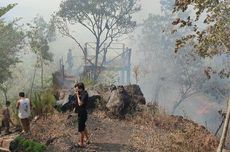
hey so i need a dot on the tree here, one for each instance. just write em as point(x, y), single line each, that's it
point(106, 20)
point(40, 35)
point(4, 10)
point(189, 75)
point(212, 40)
point(4, 88)
point(11, 41)
point(183, 71)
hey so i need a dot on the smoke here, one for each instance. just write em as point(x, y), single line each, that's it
point(165, 75)
point(157, 77)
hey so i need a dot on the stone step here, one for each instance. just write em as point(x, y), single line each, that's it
point(226, 150)
point(5, 142)
point(4, 149)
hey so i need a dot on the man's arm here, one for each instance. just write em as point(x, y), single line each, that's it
point(17, 104)
point(30, 104)
point(79, 102)
point(84, 98)
point(12, 122)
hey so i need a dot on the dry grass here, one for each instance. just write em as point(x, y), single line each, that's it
point(163, 133)
point(148, 130)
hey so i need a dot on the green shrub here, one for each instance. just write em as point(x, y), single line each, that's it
point(22, 144)
point(43, 102)
point(87, 82)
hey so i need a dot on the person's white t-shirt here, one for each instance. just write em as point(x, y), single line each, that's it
point(24, 108)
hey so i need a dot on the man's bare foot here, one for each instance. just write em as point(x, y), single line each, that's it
point(80, 145)
point(87, 141)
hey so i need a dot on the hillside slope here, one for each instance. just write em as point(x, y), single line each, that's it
point(141, 132)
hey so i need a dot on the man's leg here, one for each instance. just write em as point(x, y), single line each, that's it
point(81, 130)
point(27, 125)
point(24, 124)
point(82, 138)
point(7, 125)
point(2, 126)
point(86, 135)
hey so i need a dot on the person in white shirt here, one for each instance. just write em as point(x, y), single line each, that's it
point(24, 106)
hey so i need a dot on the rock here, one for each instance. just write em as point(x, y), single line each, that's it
point(133, 89)
point(125, 100)
point(70, 104)
point(135, 93)
point(4, 149)
point(6, 143)
point(116, 103)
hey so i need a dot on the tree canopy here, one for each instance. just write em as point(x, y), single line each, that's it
point(40, 34)
point(182, 71)
point(4, 10)
point(106, 20)
point(39, 37)
point(214, 38)
point(11, 38)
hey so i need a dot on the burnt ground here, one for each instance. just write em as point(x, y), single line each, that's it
point(141, 132)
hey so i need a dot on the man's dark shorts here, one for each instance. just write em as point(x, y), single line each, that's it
point(82, 117)
point(6, 123)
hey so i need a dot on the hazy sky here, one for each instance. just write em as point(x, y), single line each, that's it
point(27, 9)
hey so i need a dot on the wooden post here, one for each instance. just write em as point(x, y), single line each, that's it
point(225, 129)
point(123, 70)
point(129, 66)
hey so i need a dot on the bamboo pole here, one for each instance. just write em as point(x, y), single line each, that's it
point(225, 129)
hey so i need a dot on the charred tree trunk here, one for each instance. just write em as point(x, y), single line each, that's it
point(225, 129)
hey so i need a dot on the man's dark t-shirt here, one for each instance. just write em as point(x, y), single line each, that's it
point(81, 110)
point(84, 97)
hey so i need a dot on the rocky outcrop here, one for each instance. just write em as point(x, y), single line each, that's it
point(124, 100)
point(116, 100)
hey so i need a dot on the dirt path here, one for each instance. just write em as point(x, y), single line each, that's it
point(106, 135)
point(109, 135)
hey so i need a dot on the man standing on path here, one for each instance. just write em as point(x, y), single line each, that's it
point(24, 106)
point(82, 99)
point(6, 118)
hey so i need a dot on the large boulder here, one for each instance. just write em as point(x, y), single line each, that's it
point(135, 93)
point(124, 100)
point(118, 101)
